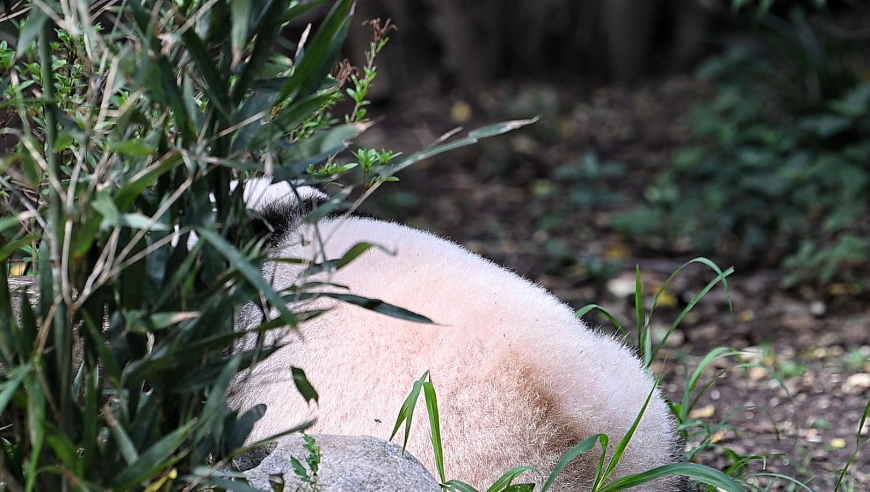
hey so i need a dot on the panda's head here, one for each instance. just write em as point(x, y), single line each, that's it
point(276, 209)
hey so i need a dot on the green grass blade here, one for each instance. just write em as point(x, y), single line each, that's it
point(577, 450)
point(434, 426)
point(703, 474)
point(623, 443)
point(861, 424)
point(457, 486)
point(509, 476)
point(794, 482)
point(720, 278)
point(520, 487)
point(642, 329)
point(713, 266)
point(406, 413)
point(692, 382)
point(595, 307)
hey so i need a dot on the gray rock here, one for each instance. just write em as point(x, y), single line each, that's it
point(347, 464)
point(18, 285)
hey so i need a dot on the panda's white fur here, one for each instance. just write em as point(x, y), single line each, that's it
point(519, 378)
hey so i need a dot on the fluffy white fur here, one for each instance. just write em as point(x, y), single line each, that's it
point(519, 378)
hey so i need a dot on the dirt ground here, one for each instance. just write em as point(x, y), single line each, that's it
point(532, 201)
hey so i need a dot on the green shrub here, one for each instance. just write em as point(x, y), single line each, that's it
point(779, 165)
point(130, 135)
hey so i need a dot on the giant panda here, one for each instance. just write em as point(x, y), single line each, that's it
point(519, 378)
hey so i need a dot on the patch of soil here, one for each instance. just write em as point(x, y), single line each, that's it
point(542, 200)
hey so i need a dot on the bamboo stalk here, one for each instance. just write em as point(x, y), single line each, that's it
point(61, 331)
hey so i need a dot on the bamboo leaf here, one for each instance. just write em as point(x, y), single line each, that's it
point(295, 11)
point(337, 264)
point(375, 305)
point(134, 147)
point(303, 385)
point(125, 445)
point(242, 428)
point(12, 246)
point(14, 378)
point(288, 119)
point(131, 190)
point(248, 271)
point(32, 28)
point(35, 425)
point(264, 43)
point(215, 85)
point(317, 148)
point(309, 72)
point(472, 138)
point(154, 459)
point(240, 14)
point(63, 447)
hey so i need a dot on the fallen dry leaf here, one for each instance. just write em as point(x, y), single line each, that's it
point(704, 412)
point(460, 112)
point(856, 383)
point(757, 373)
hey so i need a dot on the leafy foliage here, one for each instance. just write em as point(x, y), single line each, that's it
point(130, 135)
point(778, 166)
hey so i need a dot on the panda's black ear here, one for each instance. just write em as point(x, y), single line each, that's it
point(259, 224)
point(312, 201)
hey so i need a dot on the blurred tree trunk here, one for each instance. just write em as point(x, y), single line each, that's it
point(478, 42)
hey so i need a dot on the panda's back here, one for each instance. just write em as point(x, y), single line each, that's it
point(515, 370)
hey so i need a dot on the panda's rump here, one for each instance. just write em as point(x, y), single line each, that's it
point(519, 379)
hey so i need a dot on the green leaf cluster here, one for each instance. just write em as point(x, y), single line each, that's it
point(131, 132)
point(778, 165)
